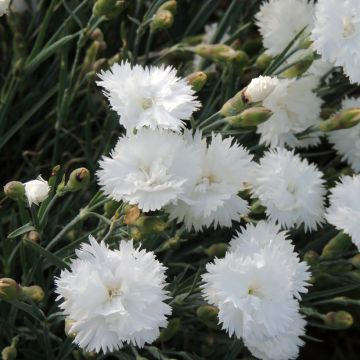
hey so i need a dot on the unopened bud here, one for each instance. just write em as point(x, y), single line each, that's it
point(172, 243)
point(33, 292)
point(336, 246)
point(355, 261)
point(33, 236)
point(339, 320)
point(99, 65)
point(217, 250)
point(197, 80)
point(110, 9)
point(311, 257)
point(250, 117)
point(54, 174)
point(300, 67)
point(163, 19)
point(68, 325)
point(15, 190)
point(234, 105)
point(344, 119)
point(208, 315)
point(132, 214)
point(9, 289)
point(9, 353)
point(170, 5)
point(171, 330)
point(98, 35)
point(110, 207)
point(150, 224)
point(263, 61)
point(79, 179)
point(136, 234)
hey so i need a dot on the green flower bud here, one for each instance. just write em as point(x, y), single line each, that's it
point(208, 315)
point(339, 320)
point(311, 257)
point(150, 224)
point(170, 5)
point(9, 353)
point(110, 208)
point(9, 289)
point(300, 67)
point(132, 214)
point(53, 176)
point(344, 119)
point(217, 250)
point(250, 117)
point(172, 243)
point(234, 105)
point(336, 246)
point(110, 9)
point(15, 190)
point(197, 80)
point(33, 292)
point(98, 35)
point(78, 180)
point(136, 234)
point(163, 19)
point(171, 330)
point(263, 61)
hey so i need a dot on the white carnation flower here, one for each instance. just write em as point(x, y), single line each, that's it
point(213, 199)
point(113, 296)
point(347, 141)
point(344, 210)
point(291, 189)
point(253, 239)
point(284, 346)
point(37, 191)
point(152, 96)
point(260, 87)
point(4, 6)
point(150, 168)
point(279, 21)
point(295, 108)
point(336, 35)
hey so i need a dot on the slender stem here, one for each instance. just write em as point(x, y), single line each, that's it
point(47, 210)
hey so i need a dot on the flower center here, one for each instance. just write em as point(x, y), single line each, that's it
point(113, 293)
point(147, 103)
point(349, 27)
point(254, 290)
point(291, 187)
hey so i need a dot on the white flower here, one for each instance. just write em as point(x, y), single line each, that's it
point(150, 168)
point(213, 198)
point(336, 35)
point(344, 210)
point(113, 296)
point(4, 6)
point(347, 141)
point(279, 21)
point(295, 108)
point(291, 189)
point(253, 239)
point(37, 191)
point(284, 346)
point(260, 87)
point(152, 96)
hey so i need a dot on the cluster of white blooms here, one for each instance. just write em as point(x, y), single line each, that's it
point(256, 287)
point(344, 210)
point(113, 297)
point(347, 141)
point(291, 189)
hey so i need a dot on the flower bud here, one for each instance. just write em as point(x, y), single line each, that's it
point(259, 89)
point(68, 324)
point(37, 191)
point(79, 179)
point(9, 289)
point(98, 35)
point(15, 190)
point(110, 9)
point(344, 119)
point(163, 19)
point(9, 353)
point(33, 292)
point(197, 80)
point(33, 236)
point(171, 330)
point(355, 261)
point(234, 105)
point(132, 214)
point(110, 208)
point(54, 174)
point(311, 257)
point(300, 66)
point(336, 246)
point(172, 243)
point(263, 61)
point(217, 250)
point(208, 315)
point(339, 320)
point(150, 224)
point(250, 117)
point(170, 5)
point(136, 234)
